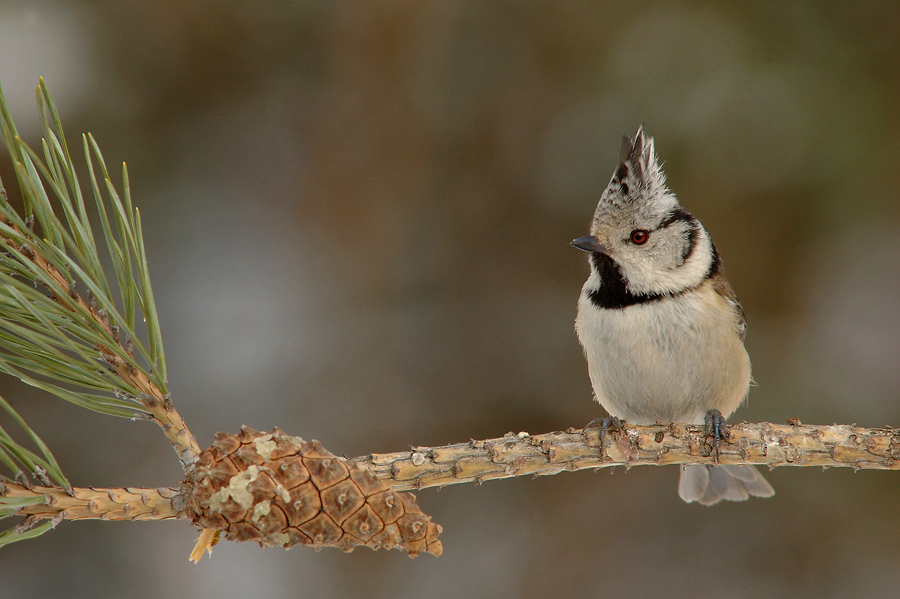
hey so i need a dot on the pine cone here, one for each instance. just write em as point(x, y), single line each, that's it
point(280, 490)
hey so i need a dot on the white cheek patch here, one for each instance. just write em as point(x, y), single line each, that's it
point(646, 276)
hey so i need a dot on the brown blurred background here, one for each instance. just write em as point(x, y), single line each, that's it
point(358, 218)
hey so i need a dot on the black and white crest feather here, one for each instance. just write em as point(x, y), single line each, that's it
point(638, 185)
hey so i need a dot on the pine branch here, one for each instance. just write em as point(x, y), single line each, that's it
point(49, 330)
point(515, 455)
point(772, 445)
point(59, 316)
point(89, 503)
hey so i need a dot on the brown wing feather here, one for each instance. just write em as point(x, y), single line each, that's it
point(723, 288)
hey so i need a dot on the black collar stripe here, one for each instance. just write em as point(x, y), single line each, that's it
point(613, 292)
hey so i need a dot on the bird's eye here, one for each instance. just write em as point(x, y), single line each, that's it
point(639, 237)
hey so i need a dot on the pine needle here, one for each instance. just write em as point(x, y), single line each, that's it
point(62, 327)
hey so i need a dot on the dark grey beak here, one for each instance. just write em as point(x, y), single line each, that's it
point(589, 243)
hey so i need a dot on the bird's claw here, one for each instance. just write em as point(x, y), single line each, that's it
point(715, 430)
point(605, 424)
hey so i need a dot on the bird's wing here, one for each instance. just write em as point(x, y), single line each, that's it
point(723, 288)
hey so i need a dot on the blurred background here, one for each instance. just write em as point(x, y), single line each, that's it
point(358, 219)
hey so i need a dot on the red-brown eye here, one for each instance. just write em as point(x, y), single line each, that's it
point(639, 237)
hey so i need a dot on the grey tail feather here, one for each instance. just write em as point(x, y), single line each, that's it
point(711, 484)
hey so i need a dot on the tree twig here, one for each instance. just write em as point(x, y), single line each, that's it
point(88, 503)
point(551, 453)
point(514, 455)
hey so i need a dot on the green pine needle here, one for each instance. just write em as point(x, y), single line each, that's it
point(63, 328)
point(14, 534)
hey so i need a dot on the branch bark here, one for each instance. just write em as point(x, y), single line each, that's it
point(522, 454)
point(89, 503)
point(764, 443)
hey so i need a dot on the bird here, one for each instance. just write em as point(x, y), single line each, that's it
point(661, 327)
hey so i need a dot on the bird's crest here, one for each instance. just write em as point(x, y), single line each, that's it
point(638, 186)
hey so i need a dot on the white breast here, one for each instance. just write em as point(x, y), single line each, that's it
point(670, 360)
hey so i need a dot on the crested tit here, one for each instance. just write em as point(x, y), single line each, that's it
point(661, 327)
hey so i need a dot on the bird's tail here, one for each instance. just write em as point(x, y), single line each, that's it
point(711, 484)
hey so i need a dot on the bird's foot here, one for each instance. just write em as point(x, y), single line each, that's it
point(605, 424)
point(715, 430)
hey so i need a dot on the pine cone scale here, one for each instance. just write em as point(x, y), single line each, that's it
point(280, 490)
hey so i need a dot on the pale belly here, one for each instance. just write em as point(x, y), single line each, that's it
point(667, 361)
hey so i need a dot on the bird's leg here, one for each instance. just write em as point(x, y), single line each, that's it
point(605, 424)
point(715, 430)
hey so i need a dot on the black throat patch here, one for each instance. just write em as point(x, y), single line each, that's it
point(613, 292)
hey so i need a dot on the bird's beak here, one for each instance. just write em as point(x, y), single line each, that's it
point(589, 243)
